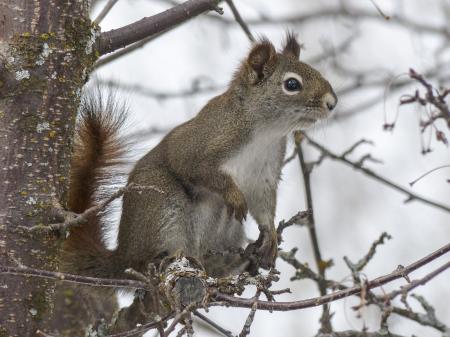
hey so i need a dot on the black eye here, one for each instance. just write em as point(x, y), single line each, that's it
point(292, 84)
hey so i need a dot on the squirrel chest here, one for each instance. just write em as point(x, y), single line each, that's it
point(257, 163)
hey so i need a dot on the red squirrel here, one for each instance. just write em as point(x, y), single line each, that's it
point(206, 174)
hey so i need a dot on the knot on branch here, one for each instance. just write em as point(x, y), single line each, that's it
point(183, 281)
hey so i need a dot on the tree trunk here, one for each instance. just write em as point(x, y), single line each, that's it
point(45, 56)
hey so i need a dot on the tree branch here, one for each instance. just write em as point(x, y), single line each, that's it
point(78, 219)
point(313, 302)
point(325, 319)
point(411, 196)
point(92, 281)
point(109, 5)
point(149, 26)
point(213, 324)
point(239, 20)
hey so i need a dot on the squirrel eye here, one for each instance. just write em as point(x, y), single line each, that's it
point(292, 84)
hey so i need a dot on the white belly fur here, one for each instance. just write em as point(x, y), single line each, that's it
point(257, 164)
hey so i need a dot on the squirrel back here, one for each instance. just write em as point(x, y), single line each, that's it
point(98, 151)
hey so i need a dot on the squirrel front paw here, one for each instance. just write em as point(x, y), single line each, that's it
point(235, 201)
point(264, 251)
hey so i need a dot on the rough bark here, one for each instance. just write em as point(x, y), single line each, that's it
point(45, 56)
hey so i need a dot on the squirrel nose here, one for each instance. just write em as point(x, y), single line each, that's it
point(329, 101)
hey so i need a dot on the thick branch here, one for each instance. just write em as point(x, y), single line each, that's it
point(122, 37)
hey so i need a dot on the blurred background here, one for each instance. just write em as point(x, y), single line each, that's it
point(366, 57)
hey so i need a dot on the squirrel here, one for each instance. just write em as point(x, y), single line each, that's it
point(195, 188)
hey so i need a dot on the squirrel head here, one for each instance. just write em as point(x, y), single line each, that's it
point(279, 91)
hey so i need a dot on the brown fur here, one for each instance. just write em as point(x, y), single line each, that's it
point(98, 151)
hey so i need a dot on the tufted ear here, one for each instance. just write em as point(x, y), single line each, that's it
point(291, 46)
point(261, 61)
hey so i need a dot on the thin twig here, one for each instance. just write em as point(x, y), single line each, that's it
point(240, 21)
point(251, 316)
point(415, 283)
point(427, 173)
point(213, 324)
point(109, 5)
point(303, 271)
point(358, 266)
point(143, 328)
point(177, 319)
point(386, 17)
point(301, 218)
point(321, 265)
point(411, 196)
point(429, 319)
point(78, 219)
point(92, 281)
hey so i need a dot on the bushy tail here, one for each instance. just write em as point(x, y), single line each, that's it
point(98, 151)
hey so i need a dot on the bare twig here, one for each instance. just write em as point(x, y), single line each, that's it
point(109, 5)
point(301, 218)
point(177, 319)
point(415, 283)
point(428, 319)
point(412, 183)
point(78, 219)
point(410, 195)
point(357, 267)
point(205, 319)
point(251, 316)
point(304, 272)
point(239, 20)
point(432, 98)
point(93, 281)
point(386, 17)
point(143, 328)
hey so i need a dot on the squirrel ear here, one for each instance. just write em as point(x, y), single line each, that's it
point(291, 46)
point(261, 61)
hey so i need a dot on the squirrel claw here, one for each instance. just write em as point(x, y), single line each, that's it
point(236, 204)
